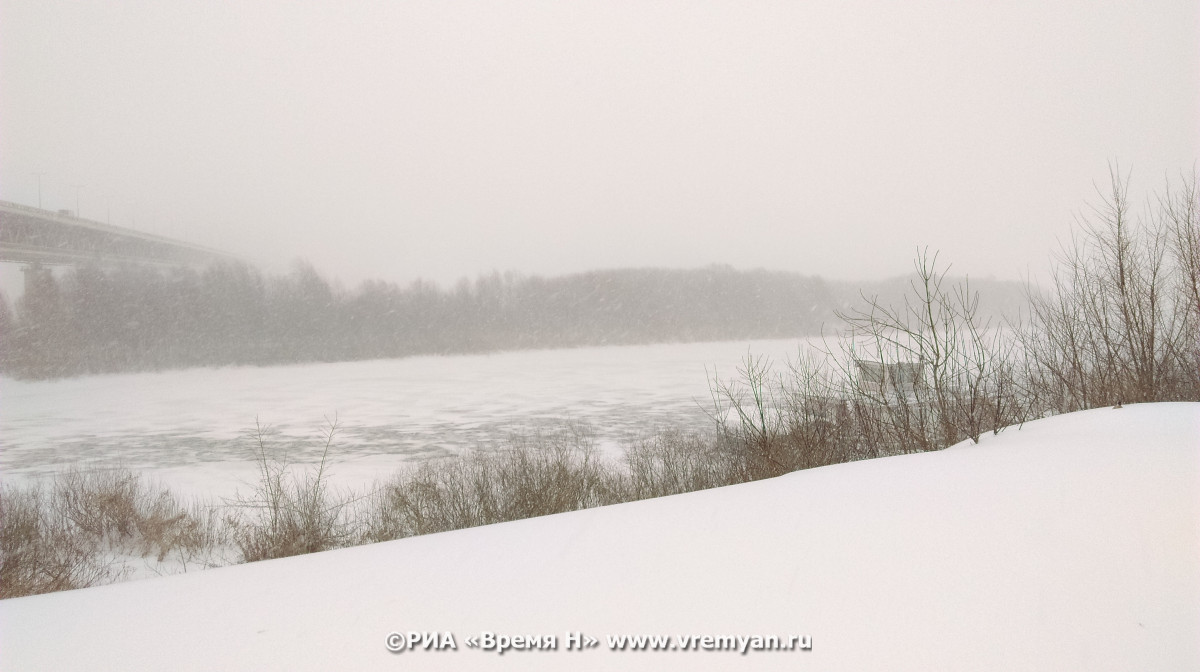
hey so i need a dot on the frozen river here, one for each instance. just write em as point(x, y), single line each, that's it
point(188, 428)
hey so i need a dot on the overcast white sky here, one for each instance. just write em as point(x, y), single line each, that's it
point(439, 139)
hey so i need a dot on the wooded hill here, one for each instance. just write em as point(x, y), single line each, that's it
point(90, 320)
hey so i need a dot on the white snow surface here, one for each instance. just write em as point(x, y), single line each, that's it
point(1072, 543)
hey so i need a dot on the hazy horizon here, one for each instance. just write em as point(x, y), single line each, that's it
point(445, 140)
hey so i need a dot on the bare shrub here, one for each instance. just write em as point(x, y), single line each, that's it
point(905, 379)
point(770, 423)
point(821, 425)
point(674, 462)
point(749, 423)
point(1121, 322)
point(1179, 214)
point(434, 496)
point(288, 513)
point(531, 475)
point(552, 472)
point(930, 373)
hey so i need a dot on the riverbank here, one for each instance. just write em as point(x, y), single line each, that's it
point(1069, 543)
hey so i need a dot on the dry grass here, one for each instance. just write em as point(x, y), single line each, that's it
point(81, 527)
point(39, 553)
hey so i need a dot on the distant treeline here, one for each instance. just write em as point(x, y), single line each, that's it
point(92, 320)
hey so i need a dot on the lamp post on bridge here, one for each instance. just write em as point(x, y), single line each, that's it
point(39, 178)
point(77, 188)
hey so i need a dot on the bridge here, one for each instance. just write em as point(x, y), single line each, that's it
point(43, 237)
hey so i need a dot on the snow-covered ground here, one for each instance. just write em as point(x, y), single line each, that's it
point(1072, 543)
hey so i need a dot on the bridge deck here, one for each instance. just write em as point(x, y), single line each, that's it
point(33, 235)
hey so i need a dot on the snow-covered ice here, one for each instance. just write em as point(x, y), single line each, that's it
point(187, 428)
point(1072, 543)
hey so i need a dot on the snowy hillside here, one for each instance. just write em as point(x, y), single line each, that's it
point(1072, 543)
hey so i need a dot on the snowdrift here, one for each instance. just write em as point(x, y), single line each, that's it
point(1072, 543)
